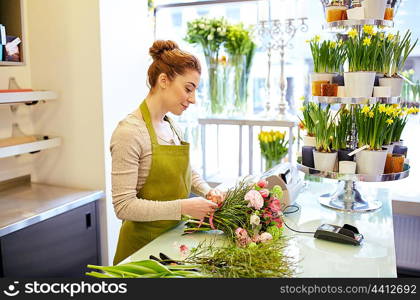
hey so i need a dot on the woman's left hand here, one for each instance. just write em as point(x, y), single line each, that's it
point(216, 196)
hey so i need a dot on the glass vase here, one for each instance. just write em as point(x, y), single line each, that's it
point(270, 163)
point(216, 102)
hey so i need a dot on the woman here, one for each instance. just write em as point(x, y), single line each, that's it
point(151, 174)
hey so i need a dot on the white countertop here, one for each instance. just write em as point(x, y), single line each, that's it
point(316, 258)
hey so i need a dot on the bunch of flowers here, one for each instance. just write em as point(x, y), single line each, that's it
point(273, 146)
point(363, 49)
point(250, 214)
point(241, 49)
point(210, 34)
point(328, 56)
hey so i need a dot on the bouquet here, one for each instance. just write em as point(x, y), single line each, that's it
point(250, 215)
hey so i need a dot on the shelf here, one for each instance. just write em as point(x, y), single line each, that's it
point(355, 177)
point(41, 144)
point(360, 100)
point(25, 97)
point(11, 63)
point(347, 24)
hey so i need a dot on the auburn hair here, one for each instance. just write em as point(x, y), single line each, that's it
point(169, 59)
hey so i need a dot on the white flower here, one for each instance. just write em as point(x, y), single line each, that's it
point(219, 29)
point(210, 37)
point(201, 25)
point(255, 220)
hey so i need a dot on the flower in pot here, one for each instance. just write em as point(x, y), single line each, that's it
point(241, 49)
point(328, 57)
point(362, 50)
point(308, 124)
point(399, 123)
point(210, 34)
point(324, 155)
point(273, 147)
point(341, 134)
point(373, 124)
point(395, 50)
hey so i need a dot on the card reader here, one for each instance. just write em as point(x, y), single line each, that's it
point(347, 234)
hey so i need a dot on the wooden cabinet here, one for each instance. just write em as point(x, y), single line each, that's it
point(61, 246)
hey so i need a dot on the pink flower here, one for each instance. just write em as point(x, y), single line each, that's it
point(275, 206)
point(183, 249)
point(242, 237)
point(262, 183)
point(255, 199)
point(265, 237)
point(265, 193)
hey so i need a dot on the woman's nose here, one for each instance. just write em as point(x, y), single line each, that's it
point(191, 98)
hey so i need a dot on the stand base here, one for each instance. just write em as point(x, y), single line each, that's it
point(348, 199)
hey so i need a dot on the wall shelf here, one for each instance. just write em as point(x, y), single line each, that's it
point(40, 144)
point(23, 97)
point(11, 63)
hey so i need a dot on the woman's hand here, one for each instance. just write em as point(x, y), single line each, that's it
point(216, 196)
point(197, 207)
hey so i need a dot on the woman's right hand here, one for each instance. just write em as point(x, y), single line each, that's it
point(197, 207)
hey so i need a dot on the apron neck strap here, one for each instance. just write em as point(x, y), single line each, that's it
point(147, 119)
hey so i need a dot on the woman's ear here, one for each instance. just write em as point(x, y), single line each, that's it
point(163, 80)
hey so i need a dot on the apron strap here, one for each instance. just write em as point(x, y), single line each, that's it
point(146, 116)
point(173, 128)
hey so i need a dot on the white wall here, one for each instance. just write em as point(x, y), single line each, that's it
point(125, 40)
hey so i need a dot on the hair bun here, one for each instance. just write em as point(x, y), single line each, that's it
point(160, 46)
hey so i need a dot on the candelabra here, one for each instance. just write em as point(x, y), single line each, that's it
point(276, 35)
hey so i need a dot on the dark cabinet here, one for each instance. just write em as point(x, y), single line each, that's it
point(61, 246)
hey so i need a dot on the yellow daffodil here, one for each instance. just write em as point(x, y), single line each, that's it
point(333, 44)
point(371, 114)
point(366, 110)
point(390, 37)
point(316, 38)
point(382, 108)
point(389, 121)
point(367, 41)
point(353, 33)
point(368, 29)
point(389, 110)
point(340, 42)
point(381, 36)
point(303, 108)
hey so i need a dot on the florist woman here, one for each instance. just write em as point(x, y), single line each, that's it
point(151, 174)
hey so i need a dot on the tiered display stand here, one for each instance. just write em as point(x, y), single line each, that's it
point(347, 197)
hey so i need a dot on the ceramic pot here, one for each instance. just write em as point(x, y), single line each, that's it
point(309, 141)
point(374, 9)
point(371, 162)
point(359, 84)
point(325, 161)
point(308, 156)
point(395, 84)
point(343, 155)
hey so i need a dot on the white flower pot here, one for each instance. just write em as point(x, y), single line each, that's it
point(357, 13)
point(359, 84)
point(309, 141)
point(371, 162)
point(381, 91)
point(389, 148)
point(374, 9)
point(325, 161)
point(322, 76)
point(395, 84)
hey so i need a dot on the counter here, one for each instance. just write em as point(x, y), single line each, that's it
point(315, 258)
point(29, 203)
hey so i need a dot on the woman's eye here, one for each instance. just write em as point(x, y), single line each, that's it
point(188, 90)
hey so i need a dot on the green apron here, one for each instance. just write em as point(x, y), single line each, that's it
point(169, 179)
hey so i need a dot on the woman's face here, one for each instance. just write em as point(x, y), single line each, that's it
point(180, 92)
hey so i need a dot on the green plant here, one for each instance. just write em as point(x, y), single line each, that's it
point(363, 50)
point(241, 49)
point(328, 56)
point(342, 129)
point(323, 128)
point(307, 122)
point(209, 34)
point(402, 49)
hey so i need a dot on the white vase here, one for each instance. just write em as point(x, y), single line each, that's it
point(356, 13)
point(359, 84)
point(374, 9)
point(325, 161)
point(309, 141)
point(371, 162)
point(395, 84)
point(322, 76)
point(389, 148)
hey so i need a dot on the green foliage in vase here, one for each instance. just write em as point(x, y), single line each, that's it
point(323, 128)
point(342, 129)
